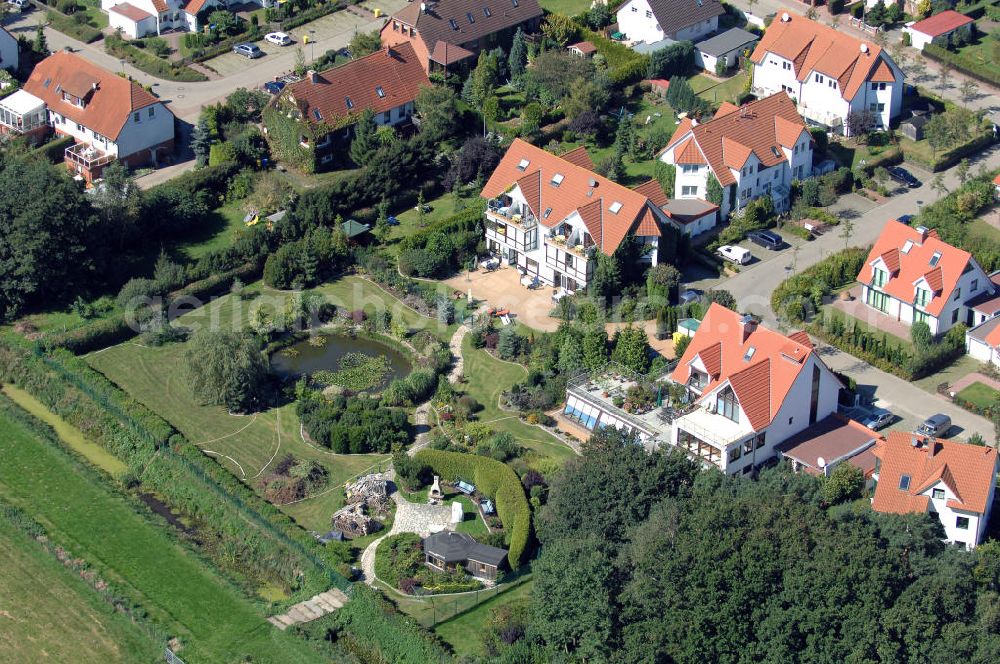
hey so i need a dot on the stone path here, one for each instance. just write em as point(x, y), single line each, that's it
point(311, 609)
point(410, 518)
point(421, 417)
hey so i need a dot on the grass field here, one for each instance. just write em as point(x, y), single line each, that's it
point(717, 92)
point(179, 592)
point(463, 633)
point(979, 395)
point(69, 434)
point(486, 377)
point(565, 7)
point(472, 523)
point(49, 613)
point(220, 230)
point(245, 445)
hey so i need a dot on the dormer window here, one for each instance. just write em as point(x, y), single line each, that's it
point(615, 208)
point(379, 91)
point(923, 297)
point(557, 179)
point(935, 258)
point(523, 165)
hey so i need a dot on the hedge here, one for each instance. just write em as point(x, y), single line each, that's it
point(268, 543)
point(495, 479)
point(983, 72)
point(124, 325)
point(151, 64)
point(790, 299)
point(68, 26)
point(55, 150)
point(468, 219)
point(311, 14)
point(625, 66)
point(950, 157)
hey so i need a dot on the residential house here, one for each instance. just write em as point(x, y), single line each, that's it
point(938, 28)
point(982, 340)
point(832, 441)
point(449, 34)
point(652, 21)
point(912, 275)
point(753, 150)
point(751, 389)
point(320, 110)
point(449, 550)
point(725, 48)
point(9, 52)
point(110, 117)
point(139, 18)
point(828, 73)
point(688, 216)
point(550, 215)
point(953, 481)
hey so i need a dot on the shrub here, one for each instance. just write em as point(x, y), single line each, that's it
point(352, 425)
point(495, 479)
point(797, 296)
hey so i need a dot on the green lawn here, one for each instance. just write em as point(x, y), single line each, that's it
point(907, 346)
point(979, 395)
point(486, 377)
point(472, 523)
point(245, 445)
point(565, 7)
point(215, 623)
point(717, 92)
point(51, 614)
point(68, 433)
point(219, 231)
point(960, 368)
point(463, 633)
point(982, 50)
point(442, 207)
point(979, 229)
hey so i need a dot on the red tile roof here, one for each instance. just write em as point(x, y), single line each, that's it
point(160, 6)
point(580, 157)
point(130, 12)
point(584, 47)
point(726, 141)
point(573, 194)
point(831, 439)
point(813, 46)
point(761, 382)
point(395, 71)
point(967, 470)
point(907, 268)
point(652, 190)
point(662, 83)
point(941, 24)
point(194, 7)
point(108, 105)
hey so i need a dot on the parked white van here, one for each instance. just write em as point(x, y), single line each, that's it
point(18, 5)
point(737, 255)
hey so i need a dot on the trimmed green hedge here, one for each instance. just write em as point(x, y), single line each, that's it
point(149, 63)
point(983, 72)
point(55, 150)
point(468, 219)
point(495, 479)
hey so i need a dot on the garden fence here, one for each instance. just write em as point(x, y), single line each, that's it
point(171, 658)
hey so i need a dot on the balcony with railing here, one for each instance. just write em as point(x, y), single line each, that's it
point(503, 210)
point(85, 157)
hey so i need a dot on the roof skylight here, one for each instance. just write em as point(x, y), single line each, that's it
point(350, 104)
point(379, 91)
point(904, 482)
point(523, 164)
point(615, 208)
point(935, 258)
point(453, 23)
point(747, 356)
point(557, 179)
point(486, 12)
point(907, 246)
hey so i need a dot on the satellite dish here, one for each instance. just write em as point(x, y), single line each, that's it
point(821, 462)
point(785, 18)
point(864, 48)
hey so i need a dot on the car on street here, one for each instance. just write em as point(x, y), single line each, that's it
point(274, 87)
point(737, 255)
point(278, 38)
point(689, 295)
point(935, 426)
point(248, 50)
point(903, 177)
point(879, 418)
point(767, 239)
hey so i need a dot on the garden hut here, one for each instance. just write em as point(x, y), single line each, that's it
point(450, 550)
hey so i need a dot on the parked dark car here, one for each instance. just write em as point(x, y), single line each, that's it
point(248, 50)
point(274, 87)
point(905, 219)
point(766, 239)
point(903, 177)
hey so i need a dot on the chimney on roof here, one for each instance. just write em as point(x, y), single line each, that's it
point(749, 326)
point(312, 75)
point(785, 18)
point(933, 447)
point(915, 442)
point(423, 7)
point(593, 182)
point(922, 230)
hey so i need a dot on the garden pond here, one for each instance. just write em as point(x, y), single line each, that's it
point(356, 363)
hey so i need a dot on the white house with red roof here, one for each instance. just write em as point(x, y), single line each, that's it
point(751, 390)
point(110, 117)
point(937, 28)
point(912, 275)
point(954, 481)
point(550, 215)
point(753, 150)
point(138, 18)
point(829, 73)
